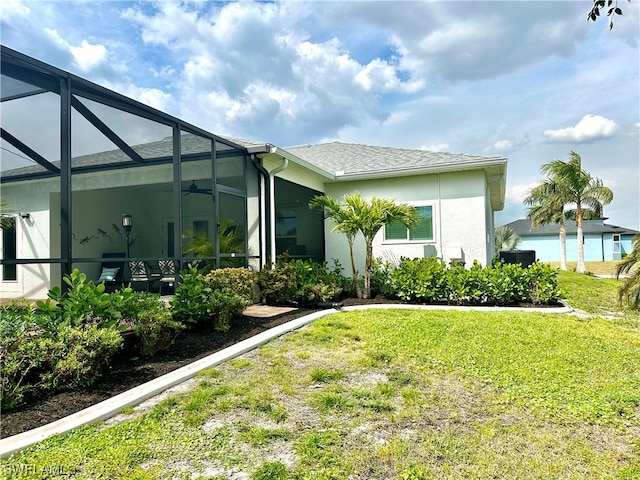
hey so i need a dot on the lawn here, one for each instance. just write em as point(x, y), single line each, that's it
point(392, 394)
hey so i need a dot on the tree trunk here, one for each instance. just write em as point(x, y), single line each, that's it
point(367, 268)
point(581, 268)
point(563, 247)
point(356, 282)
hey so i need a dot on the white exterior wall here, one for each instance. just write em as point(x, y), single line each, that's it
point(33, 237)
point(459, 202)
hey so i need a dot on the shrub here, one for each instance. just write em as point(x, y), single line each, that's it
point(299, 282)
point(76, 356)
point(225, 305)
point(422, 280)
point(238, 280)
point(543, 283)
point(34, 359)
point(150, 319)
point(380, 278)
point(190, 302)
point(83, 300)
point(205, 299)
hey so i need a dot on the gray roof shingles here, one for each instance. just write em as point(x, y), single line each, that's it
point(590, 227)
point(353, 159)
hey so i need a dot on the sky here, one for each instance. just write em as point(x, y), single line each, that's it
point(527, 80)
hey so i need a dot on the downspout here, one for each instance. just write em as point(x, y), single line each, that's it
point(264, 208)
point(440, 220)
point(272, 205)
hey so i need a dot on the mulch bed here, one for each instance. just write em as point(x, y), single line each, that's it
point(126, 373)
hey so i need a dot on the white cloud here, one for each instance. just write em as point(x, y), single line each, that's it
point(590, 127)
point(441, 147)
point(502, 145)
point(87, 56)
point(13, 9)
point(517, 193)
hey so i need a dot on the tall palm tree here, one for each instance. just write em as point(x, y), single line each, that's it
point(582, 190)
point(630, 290)
point(345, 221)
point(546, 205)
point(366, 217)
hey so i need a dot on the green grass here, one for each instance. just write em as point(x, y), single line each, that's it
point(597, 296)
point(392, 394)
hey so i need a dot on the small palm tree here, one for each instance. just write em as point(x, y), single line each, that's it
point(366, 217)
point(630, 290)
point(6, 221)
point(506, 239)
point(345, 221)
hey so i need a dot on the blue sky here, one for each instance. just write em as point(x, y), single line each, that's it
point(529, 80)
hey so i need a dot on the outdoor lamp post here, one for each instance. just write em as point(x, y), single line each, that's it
point(126, 226)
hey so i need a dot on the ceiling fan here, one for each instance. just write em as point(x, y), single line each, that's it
point(193, 188)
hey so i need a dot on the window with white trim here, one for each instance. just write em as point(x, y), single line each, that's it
point(422, 232)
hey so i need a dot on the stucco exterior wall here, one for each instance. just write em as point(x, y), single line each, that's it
point(33, 238)
point(459, 210)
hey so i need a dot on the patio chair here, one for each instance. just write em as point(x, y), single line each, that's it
point(140, 272)
point(111, 272)
point(167, 273)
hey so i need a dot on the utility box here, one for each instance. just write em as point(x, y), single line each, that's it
point(523, 257)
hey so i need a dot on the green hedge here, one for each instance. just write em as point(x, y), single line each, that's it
point(428, 280)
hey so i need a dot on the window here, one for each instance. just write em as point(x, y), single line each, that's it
point(286, 229)
point(9, 252)
point(423, 231)
point(616, 243)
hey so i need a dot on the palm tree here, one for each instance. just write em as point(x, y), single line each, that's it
point(582, 190)
point(346, 222)
point(366, 217)
point(546, 205)
point(506, 239)
point(630, 290)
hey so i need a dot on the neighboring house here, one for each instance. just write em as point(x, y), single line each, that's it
point(248, 199)
point(601, 240)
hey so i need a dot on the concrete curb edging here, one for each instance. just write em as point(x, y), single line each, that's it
point(136, 395)
point(114, 405)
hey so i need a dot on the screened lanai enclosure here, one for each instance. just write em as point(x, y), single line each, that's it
point(90, 175)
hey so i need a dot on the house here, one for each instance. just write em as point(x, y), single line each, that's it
point(99, 174)
point(601, 240)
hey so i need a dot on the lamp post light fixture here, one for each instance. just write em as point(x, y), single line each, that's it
point(127, 223)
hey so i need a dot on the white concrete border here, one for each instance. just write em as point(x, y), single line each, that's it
point(114, 405)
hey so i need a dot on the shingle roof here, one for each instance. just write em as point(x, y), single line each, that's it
point(354, 159)
point(523, 228)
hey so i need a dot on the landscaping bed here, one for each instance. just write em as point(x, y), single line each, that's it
point(125, 373)
point(67, 344)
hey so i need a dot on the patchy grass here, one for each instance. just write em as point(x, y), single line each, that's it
point(597, 296)
point(388, 394)
point(606, 267)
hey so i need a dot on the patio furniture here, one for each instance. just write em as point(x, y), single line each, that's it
point(111, 271)
point(167, 273)
point(140, 272)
